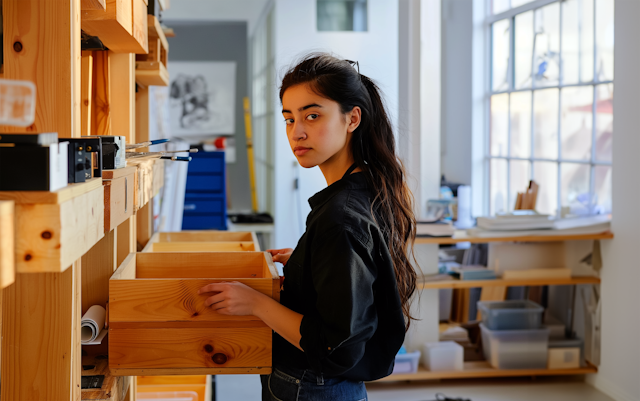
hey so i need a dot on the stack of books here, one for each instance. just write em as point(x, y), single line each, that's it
point(518, 220)
point(434, 229)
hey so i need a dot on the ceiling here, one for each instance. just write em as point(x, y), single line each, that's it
point(215, 10)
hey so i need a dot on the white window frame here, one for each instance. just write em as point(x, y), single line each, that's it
point(484, 179)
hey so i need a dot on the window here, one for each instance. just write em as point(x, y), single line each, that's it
point(342, 15)
point(551, 104)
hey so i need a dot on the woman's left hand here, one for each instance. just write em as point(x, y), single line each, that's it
point(232, 298)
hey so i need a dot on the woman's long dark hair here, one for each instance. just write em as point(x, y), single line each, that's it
point(373, 149)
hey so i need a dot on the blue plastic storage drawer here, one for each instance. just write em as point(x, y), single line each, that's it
point(204, 222)
point(199, 206)
point(205, 183)
point(207, 162)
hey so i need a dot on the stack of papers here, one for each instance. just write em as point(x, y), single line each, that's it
point(516, 221)
point(439, 229)
point(570, 226)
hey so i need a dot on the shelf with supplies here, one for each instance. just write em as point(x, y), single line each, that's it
point(457, 283)
point(482, 369)
point(54, 229)
point(525, 238)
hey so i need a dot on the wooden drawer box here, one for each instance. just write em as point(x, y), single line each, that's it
point(7, 247)
point(202, 241)
point(159, 325)
point(118, 196)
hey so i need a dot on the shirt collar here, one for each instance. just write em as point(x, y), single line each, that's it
point(352, 181)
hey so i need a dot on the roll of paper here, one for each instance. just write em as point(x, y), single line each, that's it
point(92, 323)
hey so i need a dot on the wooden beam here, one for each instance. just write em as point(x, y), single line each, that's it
point(203, 247)
point(41, 337)
point(126, 233)
point(101, 110)
point(97, 267)
point(86, 92)
point(123, 88)
point(42, 45)
point(7, 244)
point(142, 116)
point(144, 225)
point(93, 4)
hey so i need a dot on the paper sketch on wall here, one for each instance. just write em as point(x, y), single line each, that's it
point(202, 98)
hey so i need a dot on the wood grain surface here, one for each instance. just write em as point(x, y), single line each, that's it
point(86, 91)
point(98, 265)
point(54, 198)
point(203, 247)
point(101, 89)
point(7, 244)
point(220, 265)
point(118, 201)
point(93, 4)
point(205, 236)
point(123, 88)
point(189, 348)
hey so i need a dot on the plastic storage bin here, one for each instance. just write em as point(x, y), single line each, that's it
point(443, 356)
point(407, 363)
point(511, 315)
point(515, 349)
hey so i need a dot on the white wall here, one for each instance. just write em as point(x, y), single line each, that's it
point(216, 10)
point(296, 35)
point(619, 373)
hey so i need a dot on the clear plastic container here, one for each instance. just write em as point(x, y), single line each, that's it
point(168, 396)
point(511, 315)
point(443, 356)
point(515, 349)
point(407, 363)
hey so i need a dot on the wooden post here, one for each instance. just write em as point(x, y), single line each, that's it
point(42, 45)
point(86, 92)
point(126, 234)
point(97, 266)
point(144, 224)
point(123, 88)
point(41, 336)
point(101, 110)
point(142, 116)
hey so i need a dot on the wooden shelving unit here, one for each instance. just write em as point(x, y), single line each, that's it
point(476, 370)
point(506, 283)
point(527, 238)
point(64, 253)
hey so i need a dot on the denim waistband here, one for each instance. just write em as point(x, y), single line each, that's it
point(305, 375)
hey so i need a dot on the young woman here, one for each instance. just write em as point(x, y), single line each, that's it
point(345, 299)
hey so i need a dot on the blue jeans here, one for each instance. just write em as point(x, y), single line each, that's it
point(286, 384)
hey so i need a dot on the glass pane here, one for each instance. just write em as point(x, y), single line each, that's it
point(523, 50)
point(498, 6)
point(577, 122)
point(602, 189)
point(342, 15)
point(519, 176)
point(575, 188)
point(520, 124)
point(604, 122)
point(545, 175)
point(500, 55)
point(604, 40)
point(577, 41)
point(499, 124)
point(498, 186)
point(518, 3)
point(546, 59)
point(545, 114)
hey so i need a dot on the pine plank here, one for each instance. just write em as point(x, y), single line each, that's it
point(205, 236)
point(93, 4)
point(98, 264)
point(507, 283)
point(144, 224)
point(7, 244)
point(50, 237)
point(151, 73)
point(46, 35)
point(126, 235)
point(101, 86)
point(52, 198)
point(115, 25)
point(176, 300)
point(118, 173)
point(86, 91)
point(40, 337)
point(123, 89)
point(178, 349)
point(200, 265)
point(118, 201)
point(203, 247)
point(142, 116)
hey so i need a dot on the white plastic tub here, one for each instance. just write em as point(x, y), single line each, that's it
point(515, 349)
point(406, 363)
point(443, 356)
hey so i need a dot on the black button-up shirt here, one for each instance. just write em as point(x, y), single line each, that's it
point(341, 278)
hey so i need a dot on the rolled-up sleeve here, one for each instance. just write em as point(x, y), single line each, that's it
point(333, 336)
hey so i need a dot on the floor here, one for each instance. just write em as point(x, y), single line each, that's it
point(247, 388)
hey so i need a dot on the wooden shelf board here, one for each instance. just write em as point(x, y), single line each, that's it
point(117, 173)
point(151, 73)
point(56, 197)
point(482, 370)
point(456, 283)
point(526, 238)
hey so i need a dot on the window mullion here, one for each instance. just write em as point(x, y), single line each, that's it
point(559, 129)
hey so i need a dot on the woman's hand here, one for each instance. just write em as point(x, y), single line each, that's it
point(281, 255)
point(232, 298)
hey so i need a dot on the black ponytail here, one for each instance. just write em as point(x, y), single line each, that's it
point(373, 150)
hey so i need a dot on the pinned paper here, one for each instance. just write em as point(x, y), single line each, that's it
point(17, 102)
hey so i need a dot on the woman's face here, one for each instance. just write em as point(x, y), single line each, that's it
point(318, 131)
